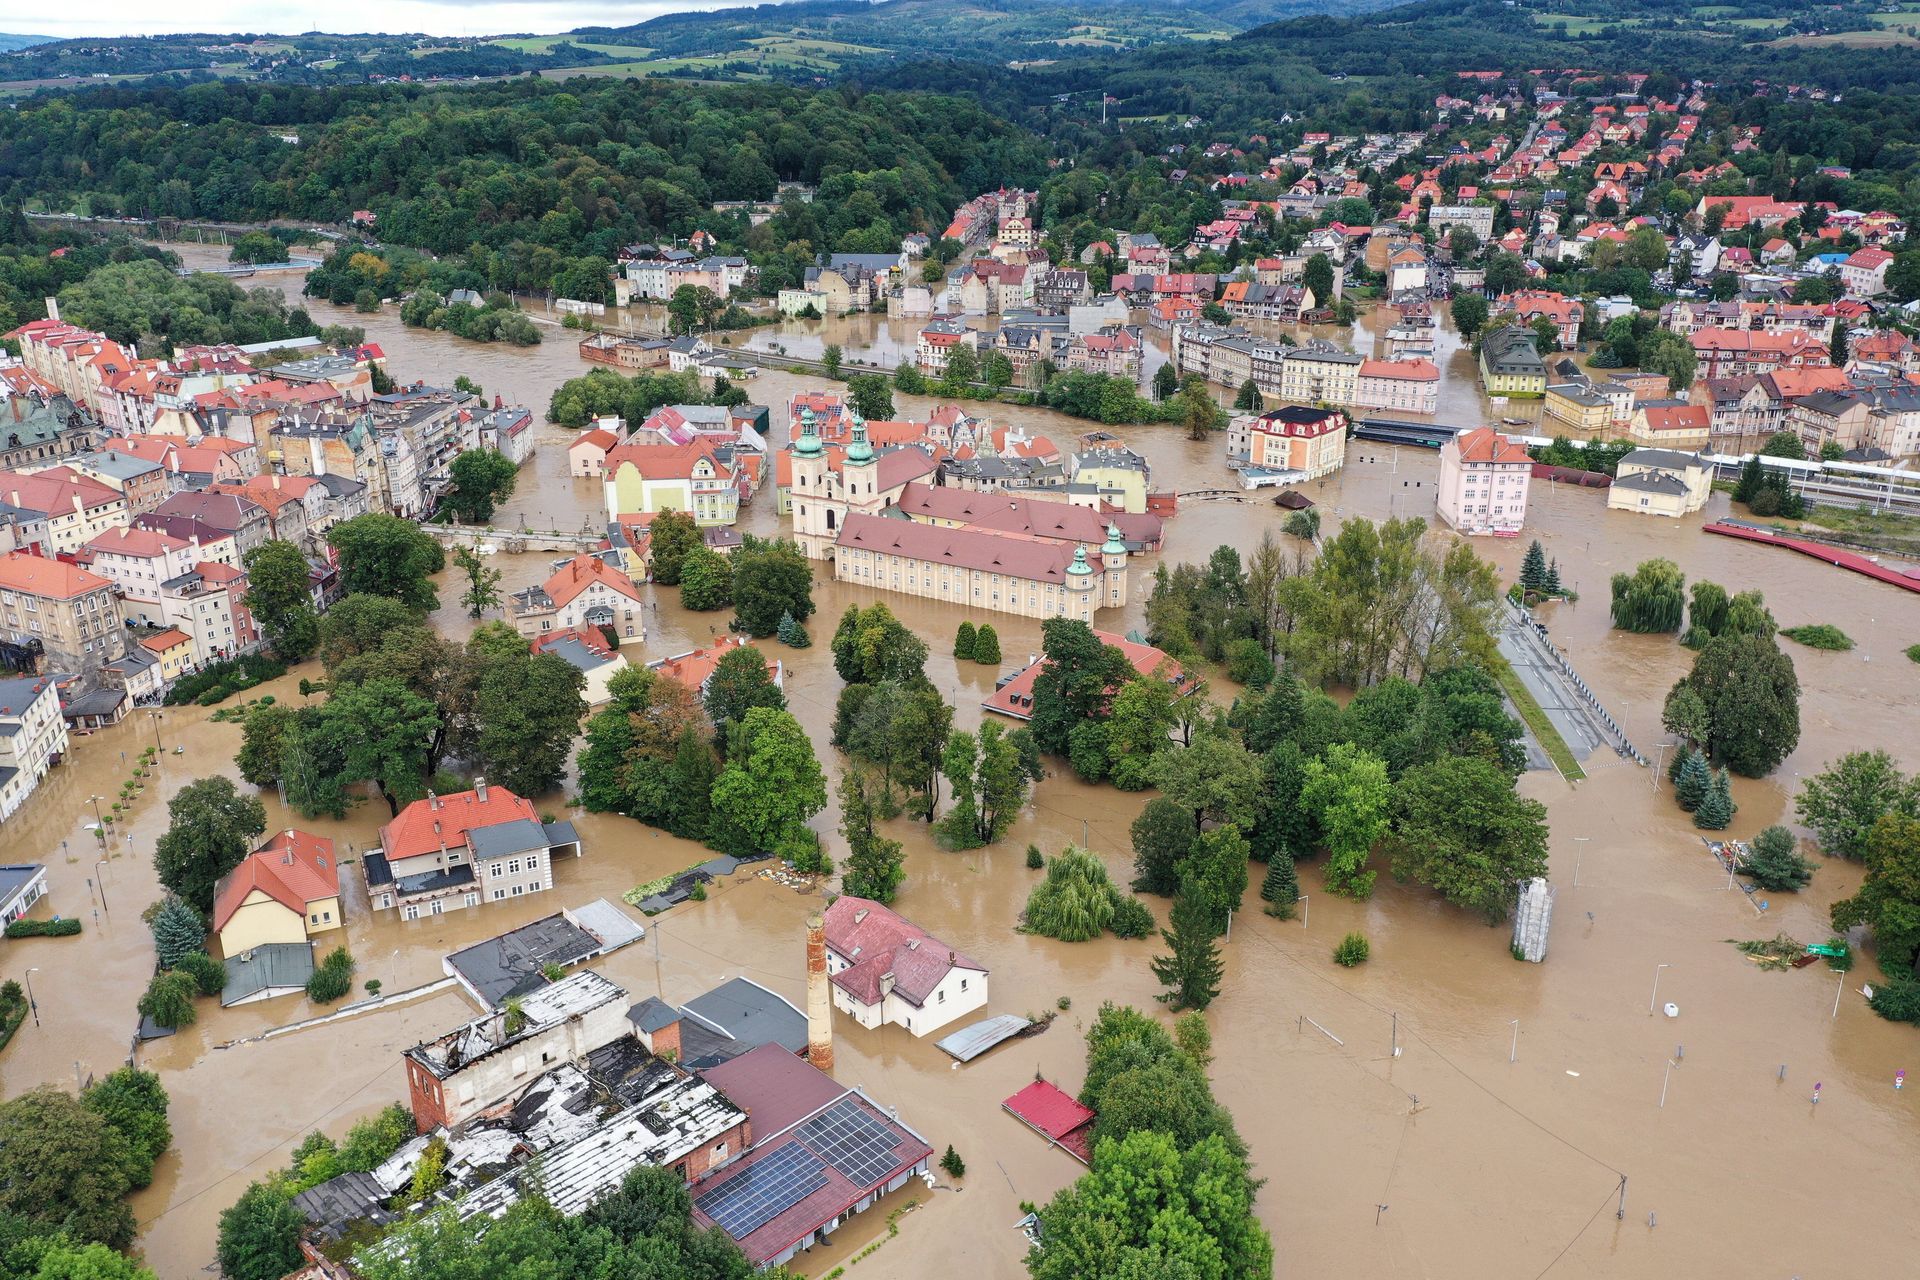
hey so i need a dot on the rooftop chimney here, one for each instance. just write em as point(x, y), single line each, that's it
point(819, 1004)
point(480, 790)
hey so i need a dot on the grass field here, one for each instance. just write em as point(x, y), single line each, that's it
point(773, 53)
point(1848, 40)
point(1537, 721)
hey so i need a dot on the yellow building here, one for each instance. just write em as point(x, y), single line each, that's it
point(1671, 425)
point(1119, 475)
point(981, 569)
point(1579, 406)
point(172, 649)
point(1510, 363)
point(285, 892)
point(1661, 482)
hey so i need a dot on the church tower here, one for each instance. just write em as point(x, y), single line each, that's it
point(1082, 593)
point(813, 516)
point(1113, 558)
point(861, 474)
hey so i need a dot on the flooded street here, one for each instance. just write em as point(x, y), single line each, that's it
point(1499, 1169)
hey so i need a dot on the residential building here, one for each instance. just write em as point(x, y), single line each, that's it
point(1477, 218)
point(284, 892)
point(587, 455)
point(1483, 483)
point(645, 479)
point(1510, 363)
point(446, 853)
point(456, 1076)
point(1864, 273)
point(75, 508)
point(33, 738)
point(66, 615)
point(1579, 406)
point(885, 969)
point(1400, 386)
point(144, 484)
point(1671, 425)
point(38, 429)
point(695, 667)
point(1406, 270)
point(982, 569)
point(1727, 353)
point(172, 653)
point(209, 603)
point(137, 561)
point(1566, 314)
point(1115, 352)
point(241, 518)
point(586, 591)
point(1014, 697)
point(1661, 482)
point(1119, 477)
point(1297, 438)
point(1317, 372)
point(587, 651)
point(21, 885)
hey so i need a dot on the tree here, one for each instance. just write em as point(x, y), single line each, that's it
point(1191, 972)
point(1163, 836)
point(741, 680)
point(1846, 800)
point(384, 555)
point(1280, 888)
point(1075, 902)
point(830, 360)
point(1216, 779)
point(986, 646)
point(133, 1102)
point(63, 1167)
point(1459, 828)
point(770, 786)
point(951, 1162)
point(1694, 784)
point(332, 979)
point(383, 731)
point(1650, 599)
point(1837, 348)
point(1347, 792)
point(963, 368)
point(1666, 352)
point(1215, 872)
point(988, 781)
point(1716, 808)
point(1469, 314)
point(527, 711)
point(1317, 277)
point(1166, 381)
point(997, 369)
point(963, 642)
point(483, 582)
point(360, 624)
point(1888, 901)
point(1140, 724)
point(871, 646)
point(792, 634)
point(177, 931)
point(671, 538)
point(875, 866)
point(1075, 682)
point(1775, 863)
point(260, 1234)
point(1685, 714)
point(909, 380)
point(706, 580)
point(1196, 410)
point(1533, 569)
point(1248, 398)
point(481, 479)
point(1752, 698)
point(210, 830)
point(770, 579)
point(280, 597)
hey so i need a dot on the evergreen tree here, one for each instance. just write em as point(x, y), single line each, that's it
point(1533, 569)
point(1775, 863)
point(1716, 808)
point(1249, 398)
point(1694, 782)
point(791, 633)
point(1678, 764)
point(177, 932)
point(1553, 587)
point(1837, 349)
point(953, 1164)
point(963, 642)
point(1752, 480)
point(1192, 972)
point(986, 645)
point(1281, 888)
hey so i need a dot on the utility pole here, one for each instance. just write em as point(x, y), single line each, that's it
point(658, 988)
point(1621, 1212)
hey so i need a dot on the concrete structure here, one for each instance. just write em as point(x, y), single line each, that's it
point(1661, 482)
point(33, 738)
point(587, 455)
point(449, 852)
point(734, 1018)
point(21, 885)
point(285, 892)
point(1483, 483)
point(646, 478)
point(885, 969)
point(456, 1076)
point(824, 498)
point(819, 996)
point(586, 591)
point(1533, 919)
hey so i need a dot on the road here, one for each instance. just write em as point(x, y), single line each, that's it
point(1532, 660)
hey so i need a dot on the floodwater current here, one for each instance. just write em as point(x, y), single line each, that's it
point(1473, 1153)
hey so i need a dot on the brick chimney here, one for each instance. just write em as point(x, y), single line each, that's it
point(665, 1041)
point(819, 1003)
point(480, 790)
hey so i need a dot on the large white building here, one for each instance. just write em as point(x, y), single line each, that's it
point(33, 738)
point(1483, 483)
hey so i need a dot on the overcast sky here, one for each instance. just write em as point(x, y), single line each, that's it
point(434, 17)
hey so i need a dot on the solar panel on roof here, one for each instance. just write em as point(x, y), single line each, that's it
point(853, 1141)
point(764, 1190)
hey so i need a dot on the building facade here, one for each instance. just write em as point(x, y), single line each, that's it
point(1483, 483)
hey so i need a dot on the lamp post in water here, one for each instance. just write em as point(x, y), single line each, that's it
point(1654, 998)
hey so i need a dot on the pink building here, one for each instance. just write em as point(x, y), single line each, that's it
point(1410, 386)
point(1483, 483)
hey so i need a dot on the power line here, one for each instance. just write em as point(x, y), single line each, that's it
point(1576, 1236)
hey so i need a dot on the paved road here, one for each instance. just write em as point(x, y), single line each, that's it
point(1533, 662)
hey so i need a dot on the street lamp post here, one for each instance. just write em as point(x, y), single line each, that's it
point(1513, 1053)
point(154, 715)
point(99, 875)
point(1303, 910)
point(1656, 988)
point(1577, 853)
point(99, 817)
point(31, 1002)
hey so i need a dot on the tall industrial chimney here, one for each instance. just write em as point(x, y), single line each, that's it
point(819, 1002)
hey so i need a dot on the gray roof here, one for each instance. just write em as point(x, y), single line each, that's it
point(95, 702)
point(652, 1014)
point(559, 833)
point(338, 1203)
point(1662, 458)
point(510, 964)
point(15, 878)
point(121, 466)
point(269, 969)
point(1652, 482)
point(17, 694)
point(577, 654)
point(737, 1016)
point(504, 838)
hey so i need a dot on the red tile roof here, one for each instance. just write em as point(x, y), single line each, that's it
point(1676, 417)
point(1056, 1116)
point(583, 571)
point(161, 641)
point(1028, 558)
point(426, 826)
point(51, 579)
point(694, 667)
point(293, 868)
point(144, 543)
point(1015, 697)
point(876, 943)
point(1002, 513)
point(1485, 445)
point(1406, 370)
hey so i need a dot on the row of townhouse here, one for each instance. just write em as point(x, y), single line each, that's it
point(1315, 372)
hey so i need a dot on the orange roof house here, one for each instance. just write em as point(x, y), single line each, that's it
point(282, 893)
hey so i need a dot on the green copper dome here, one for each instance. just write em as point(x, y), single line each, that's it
point(1114, 546)
point(1080, 568)
point(860, 450)
point(808, 444)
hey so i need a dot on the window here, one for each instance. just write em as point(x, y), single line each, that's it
point(499, 894)
point(963, 984)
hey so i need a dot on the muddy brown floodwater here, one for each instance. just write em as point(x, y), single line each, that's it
point(1500, 1168)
